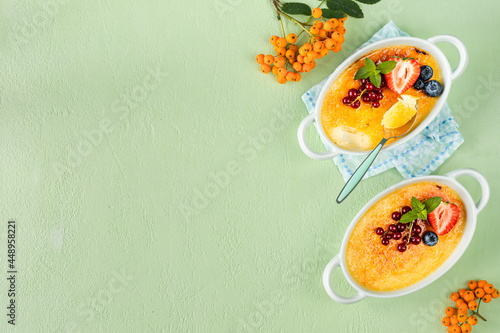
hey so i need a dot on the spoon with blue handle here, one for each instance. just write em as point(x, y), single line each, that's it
point(366, 164)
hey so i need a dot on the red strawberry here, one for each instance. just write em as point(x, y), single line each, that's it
point(403, 76)
point(444, 217)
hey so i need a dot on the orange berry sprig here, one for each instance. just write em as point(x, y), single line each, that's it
point(457, 319)
point(324, 35)
point(291, 60)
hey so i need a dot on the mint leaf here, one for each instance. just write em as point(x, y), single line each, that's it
point(417, 205)
point(296, 8)
point(408, 217)
point(362, 73)
point(370, 65)
point(422, 215)
point(376, 79)
point(432, 203)
point(386, 67)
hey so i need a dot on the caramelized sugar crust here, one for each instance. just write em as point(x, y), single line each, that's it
point(365, 119)
point(383, 268)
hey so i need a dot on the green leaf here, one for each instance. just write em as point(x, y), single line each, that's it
point(347, 6)
point(370, 65)
point(362, 73)
point(296, 8)
point(408, 217)
point(416, 204)
point(376, 79)
point(330, 13)
point(432, 203)
point(386, 67)
point(368, 2)
point(422, 215)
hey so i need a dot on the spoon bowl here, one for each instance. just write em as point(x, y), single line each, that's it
point(366, 164)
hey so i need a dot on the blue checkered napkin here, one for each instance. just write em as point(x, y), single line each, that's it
point(419, 156)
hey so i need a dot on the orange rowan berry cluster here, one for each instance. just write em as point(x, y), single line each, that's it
point(291, 60)
point(457, 319)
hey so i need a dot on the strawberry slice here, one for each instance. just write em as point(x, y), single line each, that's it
point(444, 217)
point(403, 76)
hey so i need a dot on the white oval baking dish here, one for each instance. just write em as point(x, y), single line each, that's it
point(472, 209)
point(427, 45)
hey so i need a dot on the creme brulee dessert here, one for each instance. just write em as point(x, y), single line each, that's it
point(354, 121)
point(380, 262)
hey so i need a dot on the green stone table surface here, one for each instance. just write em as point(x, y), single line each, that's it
point(158, 186)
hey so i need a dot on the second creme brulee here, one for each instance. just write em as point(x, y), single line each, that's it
point(383, 268)
point(361, 129)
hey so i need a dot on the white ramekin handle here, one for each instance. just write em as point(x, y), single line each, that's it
point(327, 275)
point(485, 188)
point(305, 148)
point(464, 55)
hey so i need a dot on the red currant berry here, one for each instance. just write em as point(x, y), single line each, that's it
point(401, 227)
point(385, 241)
point(396, 216)
point(379, 231)
point(388, 236)
point(379, 96)
point(415, 240)
point(393, 228)
point(405, 209)
point(356, 105)
point(372, 95)
point(402, 247)
point(376, 104)
point(397, 235)
point(364, 81)
point(366, 99)
point(405, 239)
point(346, 100)
point(353, 93)
point(383, 83)
point(416, 229)
point(369, 86)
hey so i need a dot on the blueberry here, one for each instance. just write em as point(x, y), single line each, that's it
point(419, 84)
point(430, 238)
point(426, 73)
point(433, 88)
